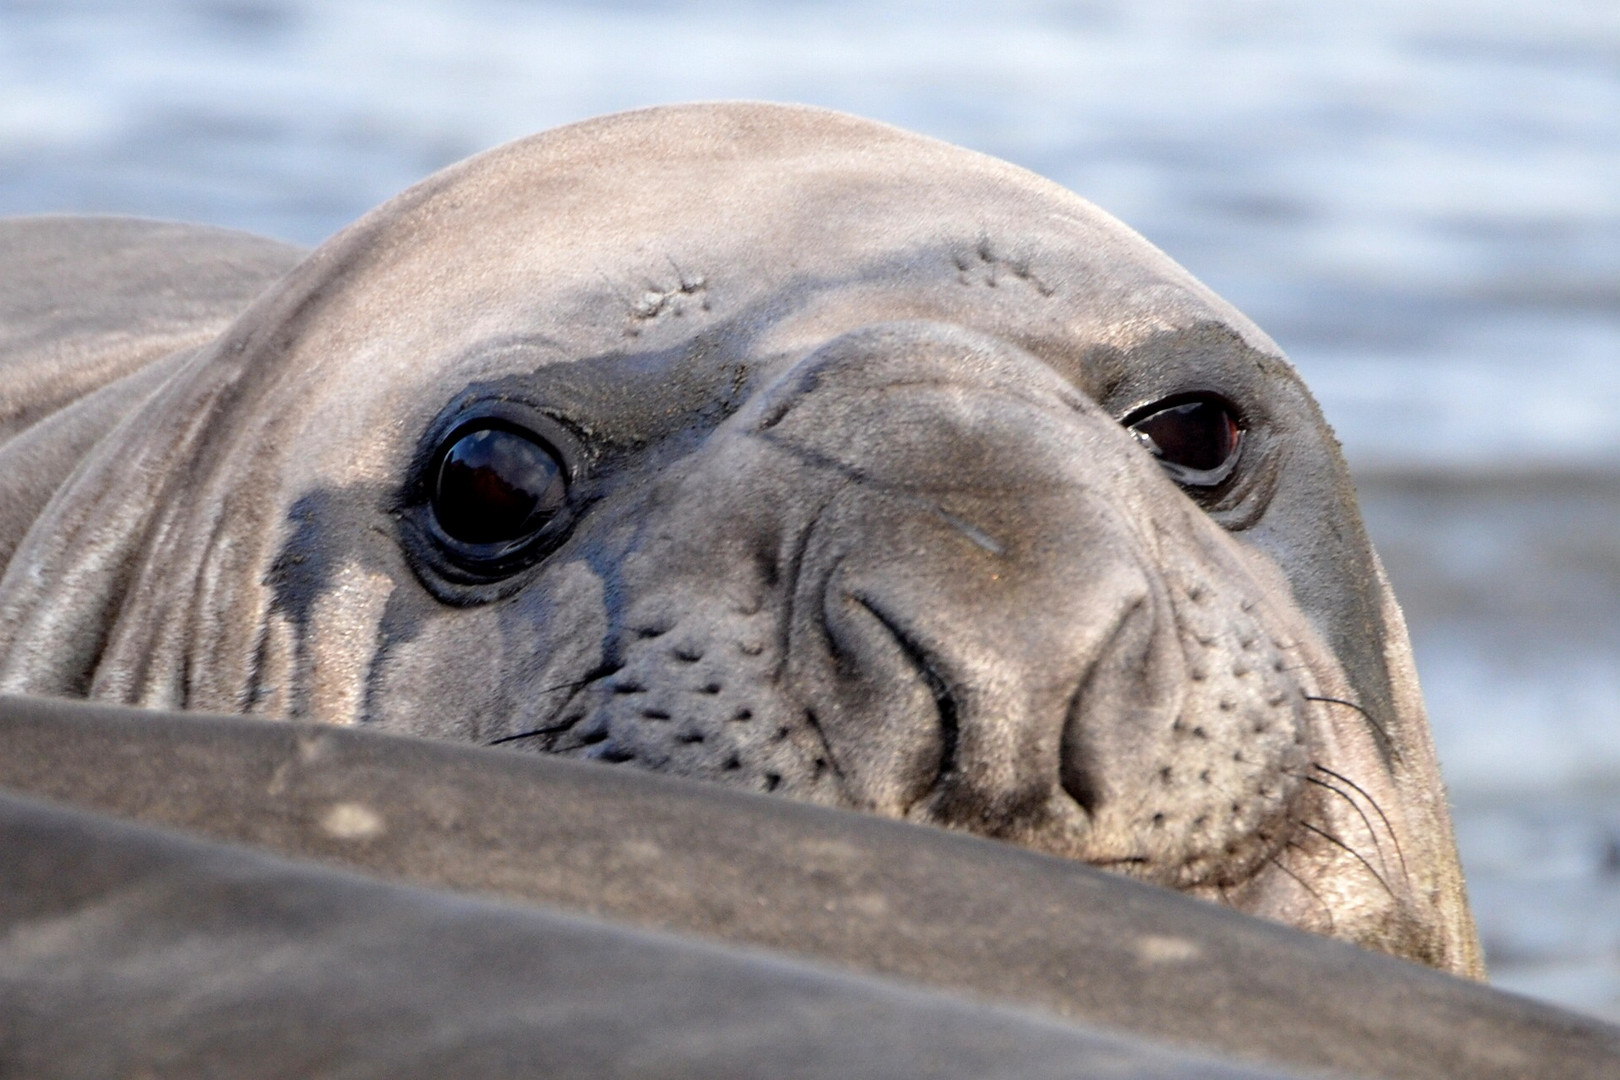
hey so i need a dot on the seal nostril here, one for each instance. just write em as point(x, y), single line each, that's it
point(1078, 766)
point(944, 701)
point(949, 720)
point(768, 567)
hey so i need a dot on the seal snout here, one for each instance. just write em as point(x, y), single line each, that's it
point(1021, 632)
point(1195, 733)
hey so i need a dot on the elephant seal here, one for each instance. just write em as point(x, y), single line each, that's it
point(773, 447)
point(115, 912)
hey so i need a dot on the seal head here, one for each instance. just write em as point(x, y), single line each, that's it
point(773, 447)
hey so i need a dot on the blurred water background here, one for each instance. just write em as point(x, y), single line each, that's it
point(1419, 199)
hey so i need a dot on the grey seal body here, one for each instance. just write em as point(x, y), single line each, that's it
point(130, 938)
point(841, 489)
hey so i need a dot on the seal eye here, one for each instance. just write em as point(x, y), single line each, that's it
point(497, 485)
point(1197, 439)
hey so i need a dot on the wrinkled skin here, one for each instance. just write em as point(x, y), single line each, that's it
point(851, 515)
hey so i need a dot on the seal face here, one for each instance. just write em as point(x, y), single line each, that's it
point(776, 448)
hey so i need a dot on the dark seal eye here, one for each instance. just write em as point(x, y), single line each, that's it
point(496, 485)
point(1196, 439)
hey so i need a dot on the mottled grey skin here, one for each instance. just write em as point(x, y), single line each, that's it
point(187, 901)
point(852, 517)
point(95, 313)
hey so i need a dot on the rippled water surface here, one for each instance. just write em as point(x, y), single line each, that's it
point(1420, 200)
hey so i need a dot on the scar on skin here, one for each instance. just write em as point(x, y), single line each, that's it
point(351, 821)
point(1156, 949)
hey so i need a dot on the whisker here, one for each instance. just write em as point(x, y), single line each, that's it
point(1365, 820)
point(1393, 836)
point(1314, 895)
point(1330, 838)
point(553, 728)
point(1389, 744)
point(531, 733)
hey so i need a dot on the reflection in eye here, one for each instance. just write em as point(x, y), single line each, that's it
point(496, 485)
point(1196, 440)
